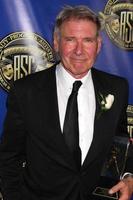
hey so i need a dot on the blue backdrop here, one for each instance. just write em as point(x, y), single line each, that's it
point(39, 17)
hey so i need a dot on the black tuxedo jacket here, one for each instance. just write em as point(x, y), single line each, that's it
point(32, 133)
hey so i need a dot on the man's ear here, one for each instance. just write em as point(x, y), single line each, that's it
point(99, 39)
point(56, 42)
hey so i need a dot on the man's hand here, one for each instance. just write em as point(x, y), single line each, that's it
point(124, 187)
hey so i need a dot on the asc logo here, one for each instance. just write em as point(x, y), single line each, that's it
point(117, 19)
point(23, 53)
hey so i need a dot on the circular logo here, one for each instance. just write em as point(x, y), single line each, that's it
point(117, 19)
point(23, 53)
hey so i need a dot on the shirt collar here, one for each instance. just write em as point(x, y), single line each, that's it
point(67, 80)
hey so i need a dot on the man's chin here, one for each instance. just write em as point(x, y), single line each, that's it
point(79, 74)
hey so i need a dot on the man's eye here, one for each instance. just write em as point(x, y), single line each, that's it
point(69, 39)
point(89, 40)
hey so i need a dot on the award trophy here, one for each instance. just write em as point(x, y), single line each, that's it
point(113, 168)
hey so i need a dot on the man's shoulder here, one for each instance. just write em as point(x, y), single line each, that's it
point(35, 78)
point(110, 82)
point(34, 82)
point(106, 76)
point(37, 75)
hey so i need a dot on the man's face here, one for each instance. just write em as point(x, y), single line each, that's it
point(78, 45)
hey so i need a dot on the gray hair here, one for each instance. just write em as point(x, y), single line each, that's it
point(76, 12)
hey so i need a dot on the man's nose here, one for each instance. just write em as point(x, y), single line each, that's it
point(78, 48)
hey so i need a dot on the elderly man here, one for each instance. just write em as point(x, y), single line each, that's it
point(63, 134)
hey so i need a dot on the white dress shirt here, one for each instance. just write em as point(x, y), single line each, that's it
point(86, 105)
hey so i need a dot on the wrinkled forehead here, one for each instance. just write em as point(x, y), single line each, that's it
point(79, 26)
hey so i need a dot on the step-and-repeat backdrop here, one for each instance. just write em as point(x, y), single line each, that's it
point(26, 28)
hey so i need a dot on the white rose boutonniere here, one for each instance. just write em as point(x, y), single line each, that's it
point(105, 102)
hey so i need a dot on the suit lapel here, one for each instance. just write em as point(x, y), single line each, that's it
point(98, 122)
point(48, 96)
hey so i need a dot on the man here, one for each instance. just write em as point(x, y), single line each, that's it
point(34, 125)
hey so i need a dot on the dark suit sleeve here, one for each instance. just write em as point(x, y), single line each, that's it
point(12, 149)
